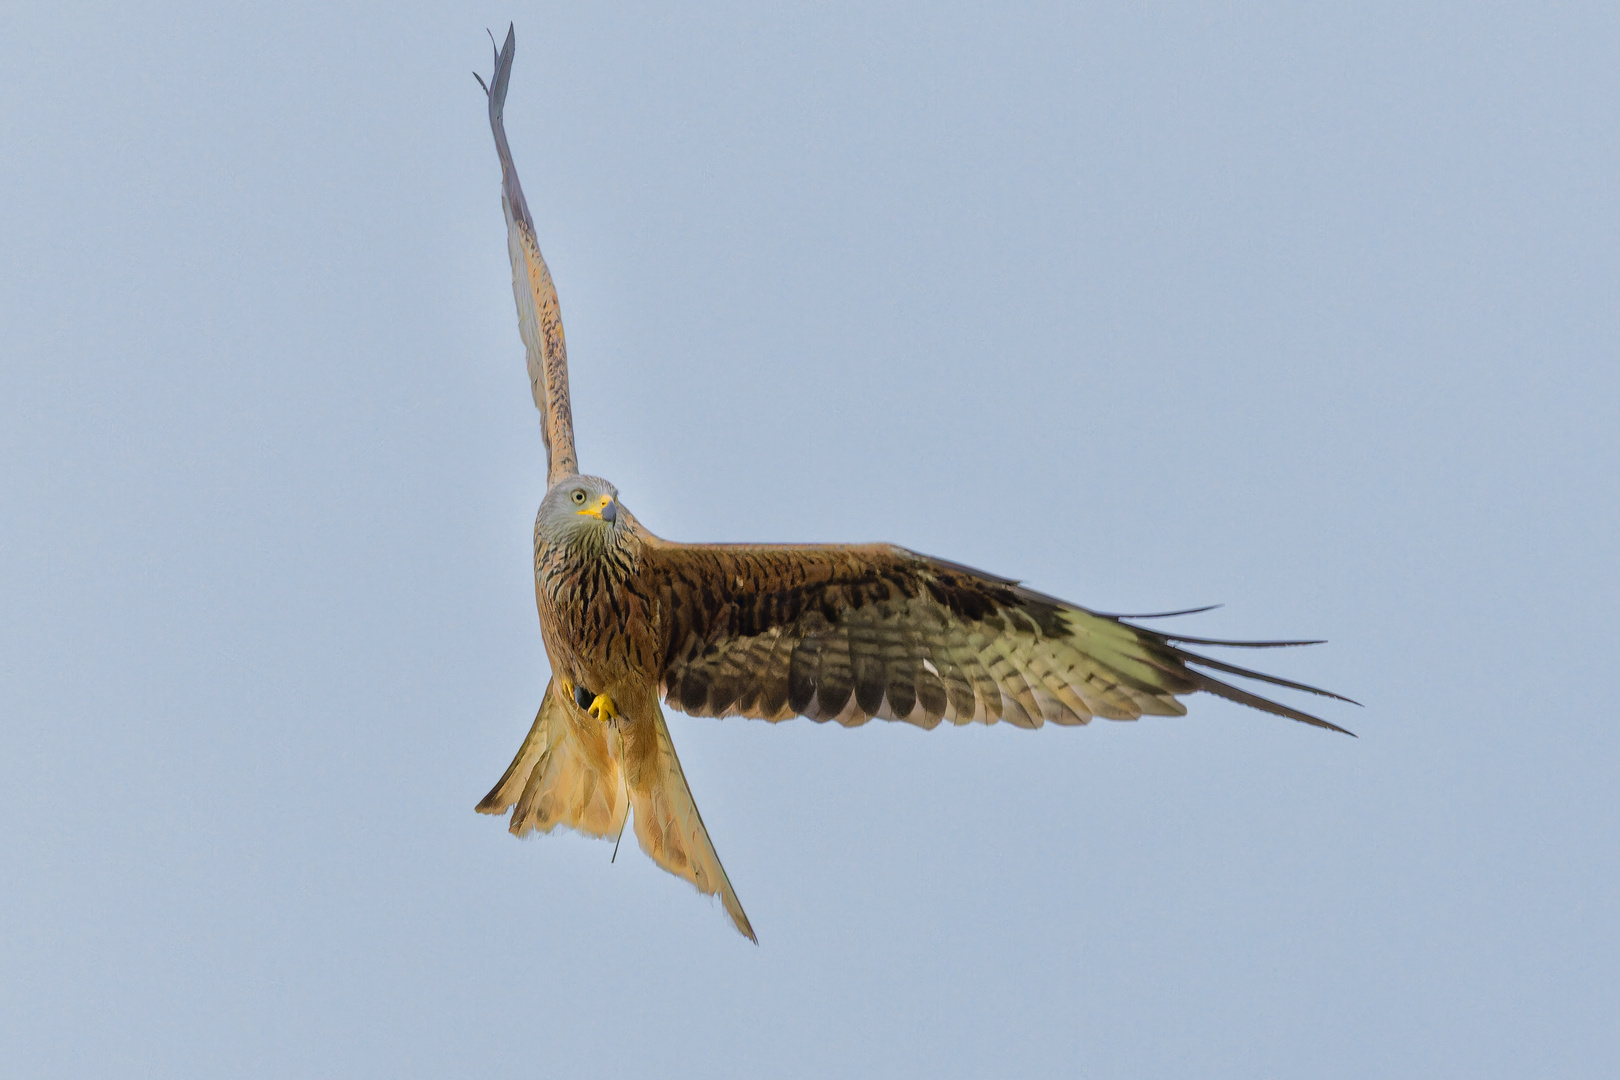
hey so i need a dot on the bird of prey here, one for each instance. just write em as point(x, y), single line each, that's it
point(836, 632)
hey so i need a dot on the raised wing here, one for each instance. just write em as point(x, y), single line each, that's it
point(539, 317)
point(565, 773)
point(849, 633)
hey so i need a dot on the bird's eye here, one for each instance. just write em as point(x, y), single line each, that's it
point(579, 495)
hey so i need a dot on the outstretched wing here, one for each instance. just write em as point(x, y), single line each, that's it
point(852, 632)
point(539, 317)
point(671, 830)
point(565, 773)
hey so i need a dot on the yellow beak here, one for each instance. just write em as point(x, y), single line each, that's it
point(602, 511)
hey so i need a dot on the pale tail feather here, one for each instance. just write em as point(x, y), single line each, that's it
point(564, 774)
point(671, 830)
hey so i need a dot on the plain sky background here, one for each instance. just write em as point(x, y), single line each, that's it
point(1309, 309)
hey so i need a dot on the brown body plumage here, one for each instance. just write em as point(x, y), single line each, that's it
point(846, 633)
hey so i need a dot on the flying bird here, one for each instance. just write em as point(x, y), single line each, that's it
point(846, 633)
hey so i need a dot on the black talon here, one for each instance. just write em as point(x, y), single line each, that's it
point(584, 697)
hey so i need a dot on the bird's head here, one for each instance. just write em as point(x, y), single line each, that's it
point(580, 511)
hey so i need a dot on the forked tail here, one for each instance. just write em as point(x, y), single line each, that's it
point(571, 771)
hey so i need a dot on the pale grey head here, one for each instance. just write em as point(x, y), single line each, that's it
point(580, 512)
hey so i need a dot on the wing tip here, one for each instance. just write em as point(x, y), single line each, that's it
point(1162, 614)
point(1188, 661)
point(1246, 673)
point(1212, 685)
point(495, 91)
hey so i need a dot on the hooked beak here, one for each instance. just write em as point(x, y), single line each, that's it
point(605, 509)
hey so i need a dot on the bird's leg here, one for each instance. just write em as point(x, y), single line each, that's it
point(599, 706)
point(602, 708)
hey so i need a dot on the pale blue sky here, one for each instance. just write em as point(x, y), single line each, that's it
point(1306, 309)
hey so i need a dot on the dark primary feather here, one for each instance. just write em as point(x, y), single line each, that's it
point(853, 632)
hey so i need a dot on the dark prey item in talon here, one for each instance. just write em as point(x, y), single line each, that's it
point(584, 697)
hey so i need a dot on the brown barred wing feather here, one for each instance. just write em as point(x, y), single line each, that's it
point(849, 633)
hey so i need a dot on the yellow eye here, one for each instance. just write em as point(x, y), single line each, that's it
point(579, 496)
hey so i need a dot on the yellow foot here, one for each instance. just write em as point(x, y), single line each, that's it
point(598, 705)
